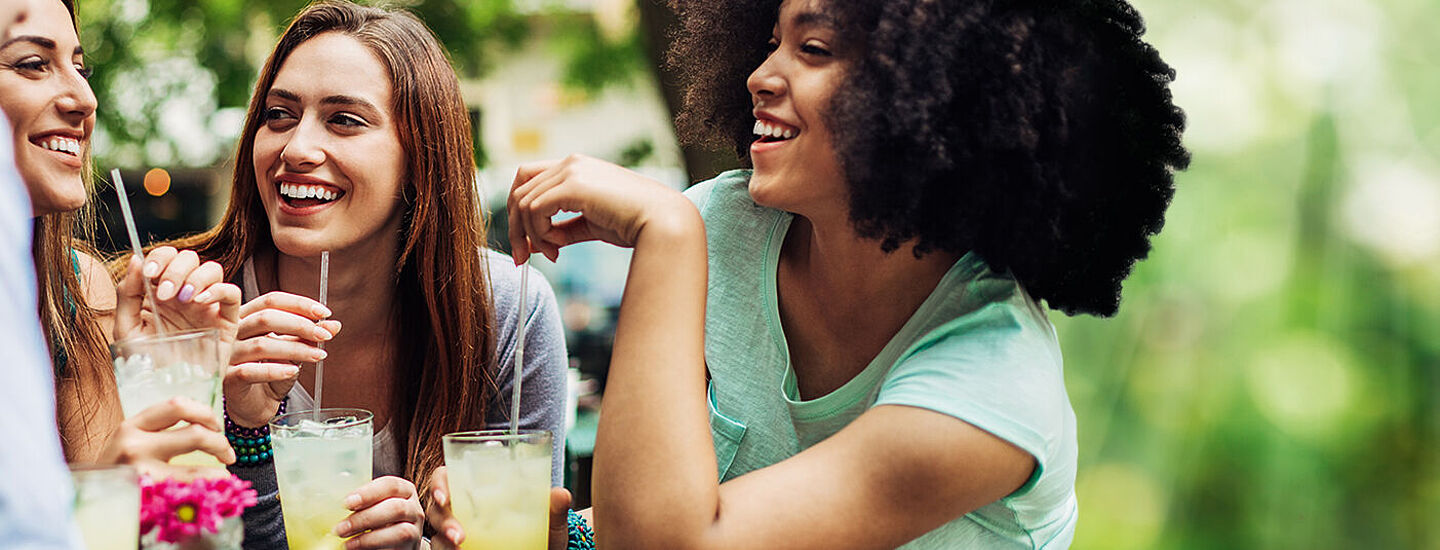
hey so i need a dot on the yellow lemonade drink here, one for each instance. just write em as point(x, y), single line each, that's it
point(500, 488)
point(320, 458)
point(152, 369)
point(107, 506)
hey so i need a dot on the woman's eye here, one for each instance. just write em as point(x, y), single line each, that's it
point(274, 114)
point(32, 64)
point(346, 120)
point(814, 49)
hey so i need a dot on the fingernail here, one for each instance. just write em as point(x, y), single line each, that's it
point(290, 370)
point(320, 311)
point(165, 291)
point(343, 528)
point(320, 354)
point(321, 334)
point(203, 297)
point(454, 534)
point(352, 544)
point(186, 292)
point(151, 269)
point(352, 502)
point(440, 497)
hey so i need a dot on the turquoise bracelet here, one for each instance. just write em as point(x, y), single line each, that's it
point(252, 445)
point(581, 537)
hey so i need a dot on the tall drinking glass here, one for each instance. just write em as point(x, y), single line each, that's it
point(500, 487)
point(152, 369)
point(107, 506)
point(321, 456)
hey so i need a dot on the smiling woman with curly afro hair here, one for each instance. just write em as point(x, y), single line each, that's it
point(858, 322)
point(1039, 134)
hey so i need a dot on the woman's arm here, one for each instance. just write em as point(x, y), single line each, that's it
point(892, 475)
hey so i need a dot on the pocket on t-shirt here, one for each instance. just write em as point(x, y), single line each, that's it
point(726, 432)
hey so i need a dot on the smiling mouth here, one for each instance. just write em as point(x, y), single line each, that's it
point(63, 145)
point(299, 195)
point(771, 131)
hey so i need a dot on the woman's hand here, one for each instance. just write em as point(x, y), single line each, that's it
point(386, 513)
point(615, 205)
point(147, 442)
point(187, 294)
point(278, 332)
point(449, 534)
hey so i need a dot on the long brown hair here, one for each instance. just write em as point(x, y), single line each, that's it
point(78, 345)
point(443, 306)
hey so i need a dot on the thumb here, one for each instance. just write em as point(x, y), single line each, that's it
point(559, 518)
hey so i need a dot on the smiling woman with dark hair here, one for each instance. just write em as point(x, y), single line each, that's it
point(848, 346)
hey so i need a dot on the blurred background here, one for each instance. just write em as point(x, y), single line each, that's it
point(1273, 377)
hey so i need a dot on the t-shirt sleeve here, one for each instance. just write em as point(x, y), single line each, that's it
point(997, 368)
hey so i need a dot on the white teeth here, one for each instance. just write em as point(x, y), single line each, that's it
point(298, 191)
point(765, 129)
point(62, 144)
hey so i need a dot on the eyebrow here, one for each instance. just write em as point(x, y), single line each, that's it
point(38, 41)
point(816, 19)
point(337, 99)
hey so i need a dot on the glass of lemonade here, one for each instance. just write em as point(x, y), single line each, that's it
point(107, 506)
point(152, 369)
point(321, 456)
point(500, 487)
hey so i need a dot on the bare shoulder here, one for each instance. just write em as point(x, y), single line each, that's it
point(95, 278)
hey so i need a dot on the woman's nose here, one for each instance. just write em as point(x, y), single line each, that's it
point(766, 81)
point(77, 101)
point(304, 147)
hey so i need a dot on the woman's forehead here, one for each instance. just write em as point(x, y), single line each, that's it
point(49, 20)
point(334, 63)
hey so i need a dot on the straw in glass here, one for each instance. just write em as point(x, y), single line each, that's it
point(518, 373)
point(324, 299)
point(130, 228)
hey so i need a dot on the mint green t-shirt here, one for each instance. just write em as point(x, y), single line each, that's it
point(978, 349)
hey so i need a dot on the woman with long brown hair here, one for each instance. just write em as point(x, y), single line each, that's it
point(45, 96)
point(357, 142)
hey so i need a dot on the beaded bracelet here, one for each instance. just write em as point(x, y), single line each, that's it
point(252, 445)
point(581, 537)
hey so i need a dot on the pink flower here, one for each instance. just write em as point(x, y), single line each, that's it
point(182, 509)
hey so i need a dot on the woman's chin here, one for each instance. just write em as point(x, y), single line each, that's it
point(54, 203)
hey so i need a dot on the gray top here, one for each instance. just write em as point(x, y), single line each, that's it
point(542, 406)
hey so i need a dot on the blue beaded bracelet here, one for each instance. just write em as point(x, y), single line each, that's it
point(581, 537)
point(252, 445)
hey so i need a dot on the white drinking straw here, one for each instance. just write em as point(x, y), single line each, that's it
point(134, 236)
point(518, 373)
point(125, 209)
point(324, 299)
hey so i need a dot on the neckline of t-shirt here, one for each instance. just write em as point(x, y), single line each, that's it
point(851, 391)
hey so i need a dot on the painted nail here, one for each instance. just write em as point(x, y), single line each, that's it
point(290, 370)
point(343, 528)
point(352, 502)
point(151, 269)
point(186, 292)
point(440, 497)
point(320, 311)
point(320, 354)
point(320, 334)
point(454, 534)
point(165, 291)
point(203, 297)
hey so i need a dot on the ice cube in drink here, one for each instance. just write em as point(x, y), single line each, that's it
point(152, 369)
point(320, 458)
point(500, 488)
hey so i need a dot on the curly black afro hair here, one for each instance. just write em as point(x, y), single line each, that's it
point(1039, 134)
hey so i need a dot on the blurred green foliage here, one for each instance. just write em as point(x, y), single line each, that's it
point(174, 76)
point(1271, 380)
